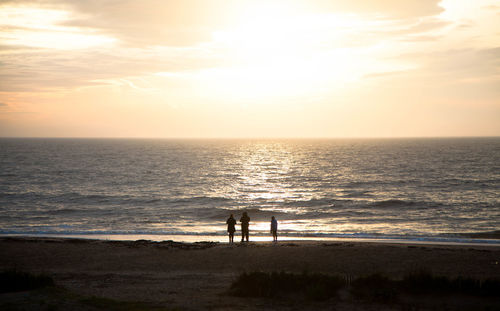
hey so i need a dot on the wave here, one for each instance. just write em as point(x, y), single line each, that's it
point(67, 197)
point(483, 235)
point(221, 214)
point(66, 211)
point(264, 214)
point(216, 235)
point(103, 199)
point(316, 202)
point(328, 205)
point(393, 203)
point(357, 194)
point(8, 175)
point(199, 199)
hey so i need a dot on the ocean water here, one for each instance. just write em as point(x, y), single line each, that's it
point(389, 188)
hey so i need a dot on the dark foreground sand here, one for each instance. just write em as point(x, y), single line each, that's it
point(197, 276)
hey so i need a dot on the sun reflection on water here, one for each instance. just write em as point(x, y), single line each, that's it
point(264, 180)
point(264, 173)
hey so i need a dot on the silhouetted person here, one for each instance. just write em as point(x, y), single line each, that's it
point(274, 228)
point(231, 222)
point(244, 220)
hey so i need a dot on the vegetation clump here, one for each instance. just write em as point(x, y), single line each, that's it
point(382, 289)
point(374, 288)
point(423, 282)
point(263, 284)
point(16, 281)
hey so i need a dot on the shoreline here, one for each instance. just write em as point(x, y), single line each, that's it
point(481, 240)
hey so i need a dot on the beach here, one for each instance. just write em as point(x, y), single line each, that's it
point(354, 144)
point(197, 276)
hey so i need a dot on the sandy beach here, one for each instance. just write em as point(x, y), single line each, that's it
point(197, 276)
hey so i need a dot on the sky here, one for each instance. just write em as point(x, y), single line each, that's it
point(260, 69)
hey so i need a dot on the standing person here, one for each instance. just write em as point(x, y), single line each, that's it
point(231, 222)
point(274, 228)
point(244, 220)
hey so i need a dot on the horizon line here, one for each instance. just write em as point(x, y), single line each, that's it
point(246, 137)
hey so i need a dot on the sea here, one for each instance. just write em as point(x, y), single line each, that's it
point(418, 189)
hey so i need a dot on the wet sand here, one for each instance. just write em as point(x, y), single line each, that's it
point(196, 276)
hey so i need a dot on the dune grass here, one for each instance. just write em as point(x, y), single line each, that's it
point(47, 296)
point(101, 303)
point(15, 281)
point(273, 284)
point(423, 282)
point(374, 288)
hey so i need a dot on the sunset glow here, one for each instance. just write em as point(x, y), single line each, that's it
point(249, 68)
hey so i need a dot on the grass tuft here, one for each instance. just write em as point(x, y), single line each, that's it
point(116, 305)
point(15, 281)
point(375, 288)
point(263, 284)
point(382, 289)
point(423, 282)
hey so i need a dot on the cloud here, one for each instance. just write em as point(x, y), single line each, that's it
point(144, 23)
point(452, 66)
point(491, 7)
point(454, 73)
point(42, 69)
point(387, 8)
point(424, 25)
point(465, 63)
point(385, 74)
point(153, 22)
point(422, 29)
point(451, 77)
point(30, 68)
point(189, 22)
point(7, 48)
point(3, 105)
point(165, 36)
